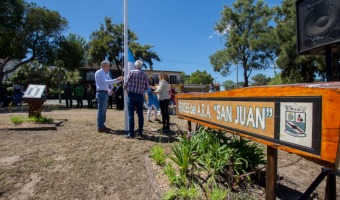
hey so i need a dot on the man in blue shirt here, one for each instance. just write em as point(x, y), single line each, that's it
point(102, 85)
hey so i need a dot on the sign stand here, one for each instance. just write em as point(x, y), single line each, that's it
point(271, 174)
point(330, 185)
point(34, 95)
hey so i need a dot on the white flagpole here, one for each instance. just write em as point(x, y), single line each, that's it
point(126, 68)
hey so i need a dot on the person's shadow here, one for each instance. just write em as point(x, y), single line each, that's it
point(158, 136)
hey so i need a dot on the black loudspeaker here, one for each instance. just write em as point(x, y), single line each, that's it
point(318, 25)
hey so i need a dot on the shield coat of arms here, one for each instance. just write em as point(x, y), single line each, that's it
point(295, 121)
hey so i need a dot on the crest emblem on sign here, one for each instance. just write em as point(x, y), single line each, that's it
point(295, 121)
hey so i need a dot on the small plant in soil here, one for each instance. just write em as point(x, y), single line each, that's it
point(41, 119)
point(158, 155)
point(213, 163)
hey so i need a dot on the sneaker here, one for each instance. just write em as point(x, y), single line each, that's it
point(149, 120)
point(129, 136)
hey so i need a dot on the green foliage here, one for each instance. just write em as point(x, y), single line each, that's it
point(158, 155)
point(295, 68)
point(184, 193)
point(183, 77)
point(17, 119)
point(218, 194)
point(199, 77)
point(73, 76)
point(216, 155)
point(107, 43)
point(72, 51)
point(34, 34)
point(170, 195)
point(260, 79)
point(171, 173)
point(181, 156)
point(249, 40)
point(35, 73)
point(187, 193)
point(41, 119)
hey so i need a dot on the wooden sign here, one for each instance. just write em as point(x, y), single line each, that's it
point(34, 91)
point(303, 119)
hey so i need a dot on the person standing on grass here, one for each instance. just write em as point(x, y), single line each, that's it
point(162, 90)
point(119, 96)
point(136, 84)
point(111, 93)
point(68, 92)
point(102, 85)
point(89, 95)
point(79, 91)
point(152, 101)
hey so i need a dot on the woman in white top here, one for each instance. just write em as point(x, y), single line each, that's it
point(162, 91)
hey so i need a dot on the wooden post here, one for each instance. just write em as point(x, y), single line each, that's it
point(271, 174)
point(34, 107)
point(189, 126)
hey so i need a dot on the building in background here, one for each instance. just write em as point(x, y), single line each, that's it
point(9, 66)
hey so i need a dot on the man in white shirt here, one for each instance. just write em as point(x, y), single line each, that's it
point(102, 85)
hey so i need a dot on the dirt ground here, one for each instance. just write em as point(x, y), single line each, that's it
point(76, 162)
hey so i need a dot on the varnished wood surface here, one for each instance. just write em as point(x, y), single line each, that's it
point(330, 115)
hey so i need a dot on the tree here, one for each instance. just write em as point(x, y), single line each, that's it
point(248, 38)
point(295, 68)
point(107, 43)
point(229, 85)
point(72, 51)
point(183, 77)
point(35, 73)
point(35, 34)
point(199, 77)
point(260, 79)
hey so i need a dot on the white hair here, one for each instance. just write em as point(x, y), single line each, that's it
point(105, 62)
point(138, 64)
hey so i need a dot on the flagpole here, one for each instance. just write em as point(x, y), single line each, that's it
point(126, 68)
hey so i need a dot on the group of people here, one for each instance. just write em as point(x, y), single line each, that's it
point(136, 85)
point(78, 92)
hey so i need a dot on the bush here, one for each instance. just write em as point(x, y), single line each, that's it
point(158, 155)
point(42, 119)
point(17, 120)
point(210, 158)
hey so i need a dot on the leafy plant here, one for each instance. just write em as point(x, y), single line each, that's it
point(41, 119)
point(158, 155)
point(187, 193)
point(171, 173)
point(17, 119)
point(218, 194)
point(181, 156)
point(170, 195)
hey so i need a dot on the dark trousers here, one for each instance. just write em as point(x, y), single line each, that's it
point(110, 102)
point(79, 101)
point(67, 100)
point(135, 101)
point(89, 101)
point(164, 104)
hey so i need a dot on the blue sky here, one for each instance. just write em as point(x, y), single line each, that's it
point(181, 31)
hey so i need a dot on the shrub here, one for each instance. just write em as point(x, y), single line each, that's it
point(41, 119)
point(17, 119)
point(158, 155)
point(218, 194)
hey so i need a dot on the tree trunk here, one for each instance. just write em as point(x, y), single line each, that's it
point(245, 76)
